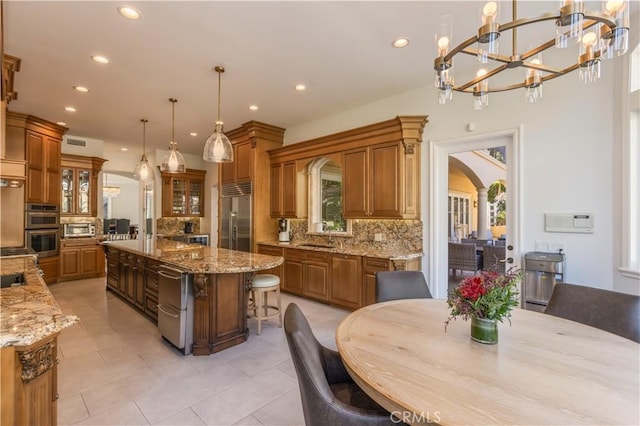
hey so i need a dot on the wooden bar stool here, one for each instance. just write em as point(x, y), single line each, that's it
point(260, 287)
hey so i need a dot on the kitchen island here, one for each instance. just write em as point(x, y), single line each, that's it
point(221, 279)
point(29, 326)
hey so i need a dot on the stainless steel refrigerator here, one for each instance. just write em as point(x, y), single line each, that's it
point(235, 216)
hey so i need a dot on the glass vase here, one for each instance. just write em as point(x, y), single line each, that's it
point(484, 331)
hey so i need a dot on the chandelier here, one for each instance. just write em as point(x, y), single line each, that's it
point(600, 35)
point(218, 148)
point(173, 161)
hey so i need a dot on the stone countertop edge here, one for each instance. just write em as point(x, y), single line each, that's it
point(356, 251)
point(196, 258)
point(29, 312)
point(181, 235)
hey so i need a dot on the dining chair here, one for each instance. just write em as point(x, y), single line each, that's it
point(122, 228)
point(493, 258)
point(394, 285)
point(464, 257)
point(617, 313)
point(329, 395)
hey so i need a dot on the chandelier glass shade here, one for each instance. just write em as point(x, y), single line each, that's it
point(143, 171)
point(218, 148)
point(173, 161)
point(108, 190)
point(600, 35)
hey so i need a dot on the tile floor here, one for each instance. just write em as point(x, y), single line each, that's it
point(116, 370)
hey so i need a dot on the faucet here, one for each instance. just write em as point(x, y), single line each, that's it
point(327, 227)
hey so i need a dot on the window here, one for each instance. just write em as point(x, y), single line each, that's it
point(630, 158)
point(459, 216)
point(325, 198)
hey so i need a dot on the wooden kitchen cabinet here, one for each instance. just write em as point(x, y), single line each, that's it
point(139, 272)
point(183, 193)
point(346, 281)
point(50, 268)
point(30, 383)
point(42, 142)
point(241, 168)
point(372, 265)
point(306, 273)
point(81, 258)
point(79, 196)
point(283, 190)
point(293, 275)
point(273, 251)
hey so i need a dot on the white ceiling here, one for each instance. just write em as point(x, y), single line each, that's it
point(340, 50)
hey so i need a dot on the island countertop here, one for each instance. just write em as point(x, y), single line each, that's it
point(197, 258)
point(29, 312)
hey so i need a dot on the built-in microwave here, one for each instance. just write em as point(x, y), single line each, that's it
point(41, 216)
point(74, 230)
point(45, 242)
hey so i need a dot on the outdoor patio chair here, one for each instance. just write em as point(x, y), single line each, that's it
point(464, 257)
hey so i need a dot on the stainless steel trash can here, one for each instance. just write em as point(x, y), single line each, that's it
point(541, 273)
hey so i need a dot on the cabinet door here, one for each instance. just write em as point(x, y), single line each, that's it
point(196, 198)
point(83, 192)
point(354, 184)
point(70, 263)
point(278, 270)
point(346, 281)
point(384, 188)
point(52, 170)
point(49, 266)
point(276, 191)
point(316, 280)
point(35, 191)
point(139, 282)
point(178, 197)
point(293, 271)
point(68, 188)
point(243, 153)
point(371, 266)
point(89, 260)
point(289, 190)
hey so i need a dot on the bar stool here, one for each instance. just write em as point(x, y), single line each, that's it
point(261, 285)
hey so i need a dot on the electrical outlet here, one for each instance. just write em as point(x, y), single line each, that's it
point(378, 237)
point(550, 246)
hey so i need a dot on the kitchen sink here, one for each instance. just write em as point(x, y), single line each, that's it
point(316, 245)
point(11, 280)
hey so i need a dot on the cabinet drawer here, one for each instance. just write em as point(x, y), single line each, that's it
point(152, 285)
point(294, 254)
point(151, 306)
point(315, 256)
point(376, 263)
point(270, 250)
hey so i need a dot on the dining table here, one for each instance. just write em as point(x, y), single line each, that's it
point(544, 370)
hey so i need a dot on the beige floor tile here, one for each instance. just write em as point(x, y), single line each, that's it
point(283, 411)
point(125, 414)
point(288, 367)
point(183, 418)
point(248, 421)
point(258, 361)
point(71, 410)
point(239, 401)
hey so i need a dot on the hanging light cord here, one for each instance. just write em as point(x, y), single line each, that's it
point(144, 136)
point(219, 69)
point(173, 118)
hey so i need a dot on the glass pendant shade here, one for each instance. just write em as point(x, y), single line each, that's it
point(589, 58)
point(218, 148)
point(615, 42)
point(143, 171)
point(481, 91)
point(173, 161)
point(533, 82)
point(569, 25)
point(489, 32)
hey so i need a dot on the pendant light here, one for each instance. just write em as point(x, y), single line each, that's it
point(218, 148)
point(143, 171)
point(173, 161)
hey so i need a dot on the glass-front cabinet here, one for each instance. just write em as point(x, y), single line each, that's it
point(183, 193)
point(79, 185)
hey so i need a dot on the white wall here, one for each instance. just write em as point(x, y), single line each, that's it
point(568, 161)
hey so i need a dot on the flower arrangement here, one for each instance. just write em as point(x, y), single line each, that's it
point(487, 295)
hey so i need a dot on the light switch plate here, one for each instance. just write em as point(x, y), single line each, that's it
point(378, 237)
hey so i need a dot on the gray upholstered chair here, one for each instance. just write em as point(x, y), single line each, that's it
point(464, 257)
point(617, 313)
point(491, 258)
point(122, 228)
point(329, 395)
point(394, 285)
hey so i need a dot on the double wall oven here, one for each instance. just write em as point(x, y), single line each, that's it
point(42, 228)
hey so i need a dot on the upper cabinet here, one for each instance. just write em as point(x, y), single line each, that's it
point(283, 190)
point(380, 166)
point(79, 196)
point(42, 141)
point(241, 168)
point(183, 193)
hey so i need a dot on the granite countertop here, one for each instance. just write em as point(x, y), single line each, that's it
point(359, 250)
point(181, 234)
point(29, 312)
point(197, 258)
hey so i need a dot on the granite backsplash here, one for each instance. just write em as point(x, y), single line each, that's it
point(401, 235)
point(175, 225)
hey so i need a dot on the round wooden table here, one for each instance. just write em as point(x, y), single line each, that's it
point(544, 370)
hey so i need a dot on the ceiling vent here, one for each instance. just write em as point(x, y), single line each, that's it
point(76, 142)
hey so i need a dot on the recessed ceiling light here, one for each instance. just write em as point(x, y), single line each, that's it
point(193, 134)
point(61, 123)
point(100, 59)
point(81, 89)
point(70, 109)
point(401, 42)
point(300, 87)
point(129, 12)
point(124, 149)
point(253, 107)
